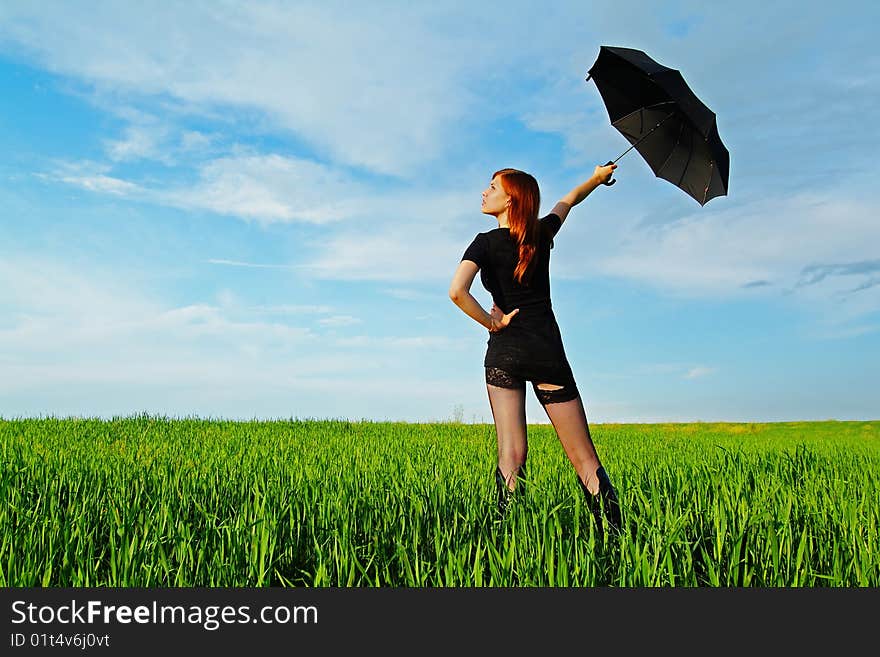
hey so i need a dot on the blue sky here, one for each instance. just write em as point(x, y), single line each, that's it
point(254, 210)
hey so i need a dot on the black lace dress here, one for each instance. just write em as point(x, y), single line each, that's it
point(531, 345)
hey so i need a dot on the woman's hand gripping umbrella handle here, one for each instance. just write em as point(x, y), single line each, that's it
point(609, 182)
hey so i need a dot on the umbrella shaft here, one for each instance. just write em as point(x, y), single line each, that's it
point(643, 137)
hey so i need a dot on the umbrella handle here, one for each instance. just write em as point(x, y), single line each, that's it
point(610, 180)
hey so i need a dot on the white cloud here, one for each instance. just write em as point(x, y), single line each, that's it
point(265, 188)
point(697, 372)
point(104, 184)
point(723, 253)
point(408, 343)
point(346, 79)
point(92, 176)
point(384, 88)
point(61, 312)
point(339, 320)
point(90, 341)
point(419, 254)
point(381, 236)
point(268, 188)
point(257, 265)
point(157, 139)
point(193, 140)
point(138, 142)
point(407, 294)
point(291, 309)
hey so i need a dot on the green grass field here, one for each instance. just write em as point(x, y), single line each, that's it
point(152, 501)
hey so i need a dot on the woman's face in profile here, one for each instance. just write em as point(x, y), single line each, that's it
point(495, 199)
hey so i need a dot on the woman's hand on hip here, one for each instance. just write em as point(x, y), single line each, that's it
point(499, 319)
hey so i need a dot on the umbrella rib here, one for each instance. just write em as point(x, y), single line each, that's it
point(690, 156)
point(672, 150)
point(642, 109)
point(708, 184)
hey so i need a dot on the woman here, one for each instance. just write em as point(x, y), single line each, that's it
point(524, 339)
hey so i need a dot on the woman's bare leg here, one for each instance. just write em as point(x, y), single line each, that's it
point(565, 408)
point(570, 422)
point(509, 412)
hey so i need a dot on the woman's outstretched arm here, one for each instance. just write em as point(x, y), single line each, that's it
point(600, 175)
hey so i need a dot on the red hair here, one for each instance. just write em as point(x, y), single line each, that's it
point(522, 216)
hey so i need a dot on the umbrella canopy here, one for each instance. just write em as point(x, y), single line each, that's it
point(653, 107)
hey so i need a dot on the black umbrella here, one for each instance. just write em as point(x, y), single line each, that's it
point(652, 106)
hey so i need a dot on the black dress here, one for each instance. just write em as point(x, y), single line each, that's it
point(531, 345)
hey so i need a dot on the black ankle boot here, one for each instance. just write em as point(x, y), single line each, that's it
point(504, 493)
point(604, 502)
point(609, 501)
